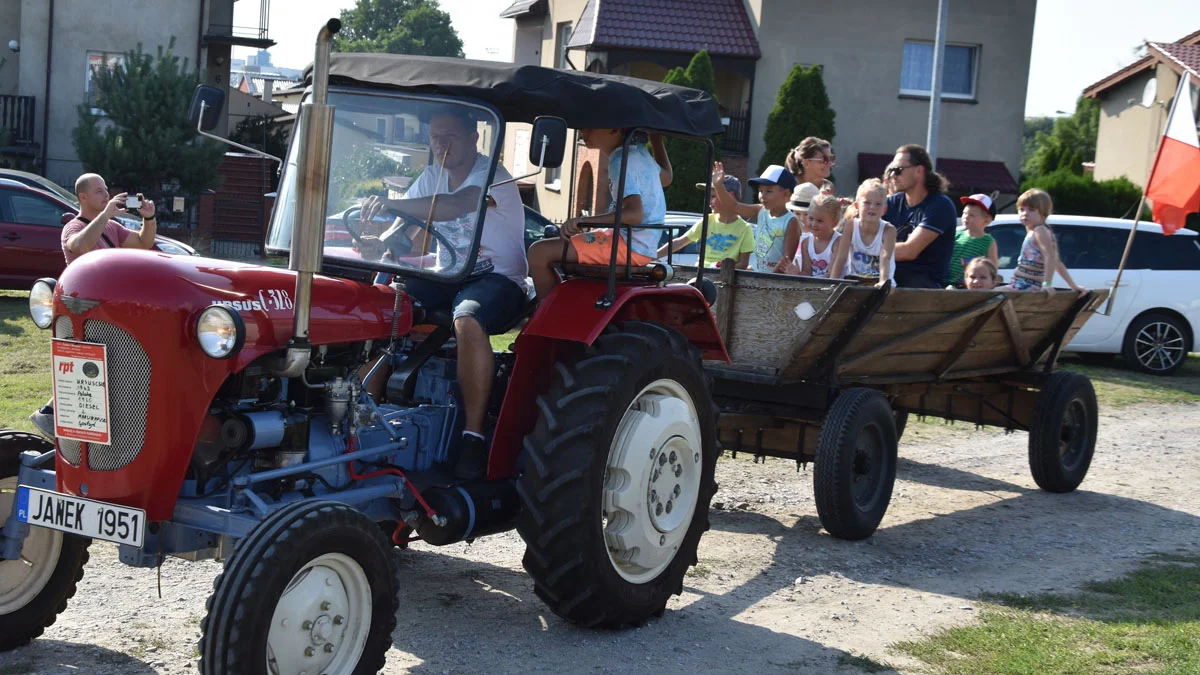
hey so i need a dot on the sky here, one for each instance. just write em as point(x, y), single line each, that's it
point(1075, 42)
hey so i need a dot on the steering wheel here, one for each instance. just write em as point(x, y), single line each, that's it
point(399, 245)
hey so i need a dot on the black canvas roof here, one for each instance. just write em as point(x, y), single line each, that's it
point(521, 93)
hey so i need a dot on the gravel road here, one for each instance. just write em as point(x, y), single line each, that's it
point(772, 592)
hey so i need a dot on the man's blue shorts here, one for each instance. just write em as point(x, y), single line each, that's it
point(493, 300)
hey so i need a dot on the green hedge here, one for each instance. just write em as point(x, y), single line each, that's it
point(1082, 196)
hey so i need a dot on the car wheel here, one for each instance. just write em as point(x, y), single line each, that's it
point(1157, 343)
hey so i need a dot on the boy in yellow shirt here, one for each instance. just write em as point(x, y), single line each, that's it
point(728, 235)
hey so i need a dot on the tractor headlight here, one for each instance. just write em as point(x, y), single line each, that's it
point(220, 332)
point(41, 302)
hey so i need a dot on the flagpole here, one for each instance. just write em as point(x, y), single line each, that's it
point(1137, 217)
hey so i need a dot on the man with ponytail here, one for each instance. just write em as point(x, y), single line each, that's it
point(924, 218)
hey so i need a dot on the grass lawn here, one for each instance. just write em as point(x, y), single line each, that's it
point(1148, 621)
point(1118, 386)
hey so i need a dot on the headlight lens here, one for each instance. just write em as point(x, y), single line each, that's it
point(220, 332)
point(41, 302)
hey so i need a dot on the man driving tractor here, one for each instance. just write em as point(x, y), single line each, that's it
point(495, 292)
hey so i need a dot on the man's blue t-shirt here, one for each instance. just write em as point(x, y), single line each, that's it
point(935, 212)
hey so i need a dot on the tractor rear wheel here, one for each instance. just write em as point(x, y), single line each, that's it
point(311, 589)
point(33, 590)
point(618, 477)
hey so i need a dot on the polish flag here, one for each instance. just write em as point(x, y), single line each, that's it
point(1174, 184)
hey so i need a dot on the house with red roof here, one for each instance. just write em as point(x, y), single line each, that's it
point(876, 57)
point(1134, 102)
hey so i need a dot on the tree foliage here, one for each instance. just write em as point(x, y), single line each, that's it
point(398, 27)
point(689, 159)
point(1070, 143)
point(142, 140)
point(1081, 195)
point(801, 110)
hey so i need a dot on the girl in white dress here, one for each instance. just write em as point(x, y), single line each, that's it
point(816, 257)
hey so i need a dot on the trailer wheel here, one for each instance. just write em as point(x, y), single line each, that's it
point(856, 464)
point(900, 419)
point(618, 477)
point(1063, 436)
point(33, 593)
point(311, 589)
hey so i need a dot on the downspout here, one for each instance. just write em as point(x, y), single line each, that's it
point(312, 188)
point(46, 97)
point(200, 38)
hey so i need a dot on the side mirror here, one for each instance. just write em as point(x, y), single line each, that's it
point(205, 110)
point(548, 142)
point(550, 232)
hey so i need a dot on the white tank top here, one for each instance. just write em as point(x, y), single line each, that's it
point(863, 259)
point(822, 263)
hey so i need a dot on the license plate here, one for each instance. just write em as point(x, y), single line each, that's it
point(85, 517)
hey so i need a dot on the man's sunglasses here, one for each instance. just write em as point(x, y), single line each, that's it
point(895, 171)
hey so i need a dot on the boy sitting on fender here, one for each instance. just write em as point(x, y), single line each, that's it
point(642, 203)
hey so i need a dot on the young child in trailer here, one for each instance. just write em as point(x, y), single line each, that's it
point(973, 242)
point(868, 244)
point(1039, 259)
point(776, 230)
point(642, 203)
point(981, 275)
point(816, 255)
point(802, 196)
point(728, 235)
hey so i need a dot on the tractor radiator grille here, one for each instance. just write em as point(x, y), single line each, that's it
point(69, 449)
point(128, 394)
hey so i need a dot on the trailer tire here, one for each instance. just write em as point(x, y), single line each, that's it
point(856, 464)
point(312, 574)
point(1062, 438)
point(35, 601)
point(608, 540)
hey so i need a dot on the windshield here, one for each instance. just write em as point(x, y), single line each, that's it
point(398, 163)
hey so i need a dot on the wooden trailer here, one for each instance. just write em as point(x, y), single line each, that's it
point(828, 371)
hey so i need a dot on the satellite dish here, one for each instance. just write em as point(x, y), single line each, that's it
point(1150, 92)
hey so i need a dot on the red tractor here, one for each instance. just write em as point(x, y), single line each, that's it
point(296, 423)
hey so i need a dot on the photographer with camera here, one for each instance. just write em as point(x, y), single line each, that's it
point(95, 228)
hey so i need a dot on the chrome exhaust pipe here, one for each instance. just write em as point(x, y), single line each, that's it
point(312, 190)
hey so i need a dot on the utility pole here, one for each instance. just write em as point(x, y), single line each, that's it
point(935, 93)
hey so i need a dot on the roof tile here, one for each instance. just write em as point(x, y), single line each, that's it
point(669, 25)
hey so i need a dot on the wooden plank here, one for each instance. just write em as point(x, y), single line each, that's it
point(926, 363)
point(992, 334)
point(965, 341)
point(930, 301)
point(1012, 326)
point(725, 300)
point(987, 305)
point(894, 324)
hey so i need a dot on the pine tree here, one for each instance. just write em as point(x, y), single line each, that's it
point(689, 158)
point(142, 140)
point(801, 110)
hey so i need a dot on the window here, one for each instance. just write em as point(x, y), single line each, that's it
point(1089, 248)
point(562, 35)
point(1155, 251)
point(381, 128)
point(96, 61)
point(958, 71)
point(1008, 243)
point(31, 210)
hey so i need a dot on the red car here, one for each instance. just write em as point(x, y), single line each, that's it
point(31, 222)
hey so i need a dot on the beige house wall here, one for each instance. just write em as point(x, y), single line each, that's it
point(1129, 132)
point(862, 75)
point(81, 26)
point(241, 105)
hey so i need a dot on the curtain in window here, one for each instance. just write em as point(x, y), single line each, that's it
point(958, 72)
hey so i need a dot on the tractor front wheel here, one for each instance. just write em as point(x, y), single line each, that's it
point(618, 477)
point(311, 589)
point(35, 588)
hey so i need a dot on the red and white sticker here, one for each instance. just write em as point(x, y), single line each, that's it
point(80, 391)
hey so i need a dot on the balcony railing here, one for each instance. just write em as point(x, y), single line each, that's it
point(16, 120)
point(736, 139)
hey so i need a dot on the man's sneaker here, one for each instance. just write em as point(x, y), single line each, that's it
point(472, 458)
point(43, 421)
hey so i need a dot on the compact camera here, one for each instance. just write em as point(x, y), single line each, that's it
point(133, 202)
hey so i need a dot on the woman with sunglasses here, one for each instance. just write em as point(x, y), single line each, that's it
point(811, 161)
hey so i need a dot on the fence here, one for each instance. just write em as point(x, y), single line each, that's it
point(737, 135)
point(16, 122)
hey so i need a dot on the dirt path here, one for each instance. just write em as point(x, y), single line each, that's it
point(772, 593)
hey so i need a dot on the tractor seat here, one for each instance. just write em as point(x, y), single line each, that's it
point(444, 317)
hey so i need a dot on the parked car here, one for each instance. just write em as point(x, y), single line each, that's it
point(1157, 308)
point(31, 221)
point(42, 183)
